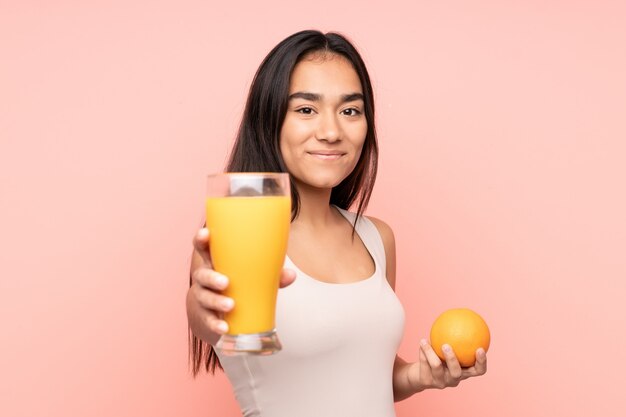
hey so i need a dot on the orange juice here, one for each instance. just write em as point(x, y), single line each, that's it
point(248, 241)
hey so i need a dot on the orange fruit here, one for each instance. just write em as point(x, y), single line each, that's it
point(464, 330)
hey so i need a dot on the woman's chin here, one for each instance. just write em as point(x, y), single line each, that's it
point(321, 183)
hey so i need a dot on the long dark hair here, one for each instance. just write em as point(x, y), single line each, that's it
point(257, 146)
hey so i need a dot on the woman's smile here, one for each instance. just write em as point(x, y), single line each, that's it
point(327, 155)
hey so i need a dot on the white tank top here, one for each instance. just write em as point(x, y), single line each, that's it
point(339, 345)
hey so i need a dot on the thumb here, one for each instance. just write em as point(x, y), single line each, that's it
point(287, 277)
point(201, 245)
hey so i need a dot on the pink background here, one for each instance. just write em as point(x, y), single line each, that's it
point(502, 132)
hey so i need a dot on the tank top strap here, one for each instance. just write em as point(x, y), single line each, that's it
point(370, 236)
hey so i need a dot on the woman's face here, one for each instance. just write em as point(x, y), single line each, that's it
point(325, 126)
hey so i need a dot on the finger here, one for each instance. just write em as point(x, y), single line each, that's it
point(213, 301)
point(208, 278)
point(287, 277)
point(454, 367)
point(215, 324)
point(433, 360)
point(430, 354)
point(201, 245)
point(479, 368)
point(422, 356)
point(481, 361)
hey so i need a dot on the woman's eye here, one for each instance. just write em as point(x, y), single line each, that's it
point(305, 110)
point(351, 112)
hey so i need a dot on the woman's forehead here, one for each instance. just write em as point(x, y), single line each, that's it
point(325, 71)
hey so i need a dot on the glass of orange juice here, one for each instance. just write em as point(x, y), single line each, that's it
point(248, 217)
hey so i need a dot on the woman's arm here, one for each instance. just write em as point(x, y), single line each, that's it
point(429, 371)
point(402, 387)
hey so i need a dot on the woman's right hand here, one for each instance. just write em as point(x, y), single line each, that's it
point(205, 303)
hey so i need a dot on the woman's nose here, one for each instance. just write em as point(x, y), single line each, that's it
point(328, 128)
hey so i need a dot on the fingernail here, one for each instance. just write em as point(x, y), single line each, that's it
point(203, 233)
point(221, 280)
point(446, 348)
point(423, 342)
point(480, 352)
point(228, 303)
point(222, 326)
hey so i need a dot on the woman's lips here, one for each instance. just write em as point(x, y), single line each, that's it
point(326, 156)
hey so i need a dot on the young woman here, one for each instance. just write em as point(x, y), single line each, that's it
point(310, 112)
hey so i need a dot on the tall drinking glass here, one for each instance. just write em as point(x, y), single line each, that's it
point(248, 216)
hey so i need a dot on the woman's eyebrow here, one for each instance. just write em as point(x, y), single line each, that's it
point(306, 96)
point(318, 97)
point(352, 97)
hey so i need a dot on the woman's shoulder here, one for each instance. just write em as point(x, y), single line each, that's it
point(389, 243)
point(386, 232)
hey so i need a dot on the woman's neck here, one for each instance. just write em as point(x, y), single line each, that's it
point(315, 210)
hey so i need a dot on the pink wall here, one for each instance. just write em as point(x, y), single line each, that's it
point(502, 131)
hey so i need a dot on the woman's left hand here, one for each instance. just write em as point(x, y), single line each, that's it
point(431, 372)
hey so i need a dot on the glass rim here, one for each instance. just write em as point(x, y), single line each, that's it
point(247, 174)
